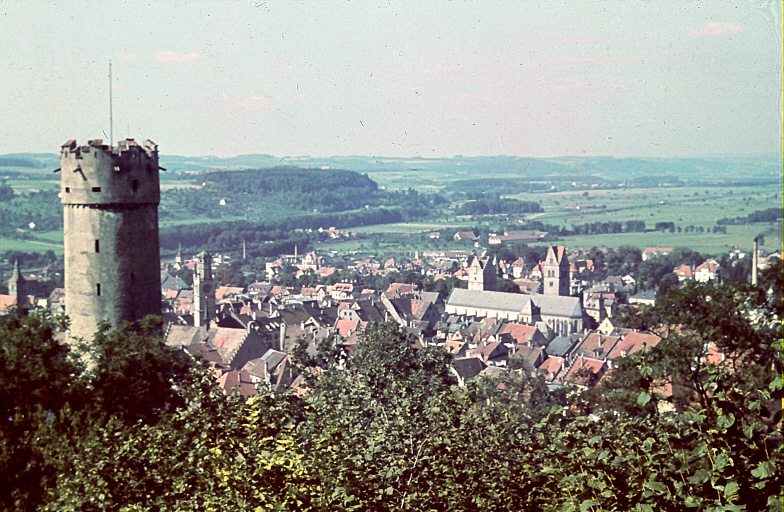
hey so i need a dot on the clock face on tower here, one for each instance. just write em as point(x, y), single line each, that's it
point(206, 288)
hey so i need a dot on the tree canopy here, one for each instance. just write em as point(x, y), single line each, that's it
point(125, 424)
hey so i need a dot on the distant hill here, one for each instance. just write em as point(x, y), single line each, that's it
point(579, 166)
point(303, 189)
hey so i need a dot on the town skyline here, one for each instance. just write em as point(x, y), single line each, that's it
point(397, 80)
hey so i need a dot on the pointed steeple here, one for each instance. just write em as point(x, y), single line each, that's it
point(16, 285)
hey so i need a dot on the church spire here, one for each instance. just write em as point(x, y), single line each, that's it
point(16, 285)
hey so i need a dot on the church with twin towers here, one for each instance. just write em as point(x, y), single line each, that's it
point(563, 314)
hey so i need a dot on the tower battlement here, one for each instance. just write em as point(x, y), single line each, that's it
point(97, 174)
point(110, 198)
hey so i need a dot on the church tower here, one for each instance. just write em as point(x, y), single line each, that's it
point(482, 274)
point(110, 199)
point(555, 270)
point(203, 291)
point(178, 258)
point(17, 286)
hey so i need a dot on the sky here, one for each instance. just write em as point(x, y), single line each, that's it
point(422, 78)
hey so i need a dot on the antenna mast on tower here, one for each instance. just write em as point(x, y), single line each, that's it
point(111, 131)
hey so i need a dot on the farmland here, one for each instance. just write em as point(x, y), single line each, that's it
point(423, 195)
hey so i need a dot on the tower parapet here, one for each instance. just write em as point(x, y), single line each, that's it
point(96, 174)
point(110, 199)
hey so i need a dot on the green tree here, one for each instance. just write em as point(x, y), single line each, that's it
point(133, 374)
point(39, 382)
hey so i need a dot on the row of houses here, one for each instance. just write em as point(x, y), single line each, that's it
point(249, 337)
point(581, 359)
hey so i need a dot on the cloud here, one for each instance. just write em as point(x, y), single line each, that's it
point(601, 42)
point(714, 29)
point(440, 69)
point(254, 102)
point(589, 59)
point(166, 56)
point(565, 86)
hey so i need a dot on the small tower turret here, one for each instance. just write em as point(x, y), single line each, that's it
point(17, 286)
point(178, 258)
point(203, 291)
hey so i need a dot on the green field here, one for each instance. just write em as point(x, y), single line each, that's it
point(709, 243)
point(684, 206)
point(405, 227)
point(24, 186)
point(50, 236)
point(13, 244)
point(572, 203)
point(197, 220)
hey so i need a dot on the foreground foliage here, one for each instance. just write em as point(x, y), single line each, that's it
point(384, 429)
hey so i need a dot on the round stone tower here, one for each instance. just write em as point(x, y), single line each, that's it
point(110, 199)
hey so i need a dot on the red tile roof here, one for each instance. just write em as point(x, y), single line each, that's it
point(524, 334)
point(6, 301)
point(346, 327)
point(593, 366)
point(633, 342)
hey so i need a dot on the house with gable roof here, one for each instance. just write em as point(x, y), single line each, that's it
point(492, 353)
point(237, 381)
point(466, 368)
point(518, 268)
point(552, 367)
point(466, 235)
point(707, 271)
point(272, 370)
point(632, 342)
point(524, 334)
point(654, 251)
point(586, 372)
point(684, 273)
point(595, 345)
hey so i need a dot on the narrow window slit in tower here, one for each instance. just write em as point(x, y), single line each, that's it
point(67, 189)
point(135, 185)
point(98, 289)
point(97, 246)
point(96, 189)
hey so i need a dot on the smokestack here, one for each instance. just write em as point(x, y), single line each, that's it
point(754, 262)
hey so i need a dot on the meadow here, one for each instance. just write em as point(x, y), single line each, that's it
point(569, 204)
point(37, 245)
point(700, 207)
